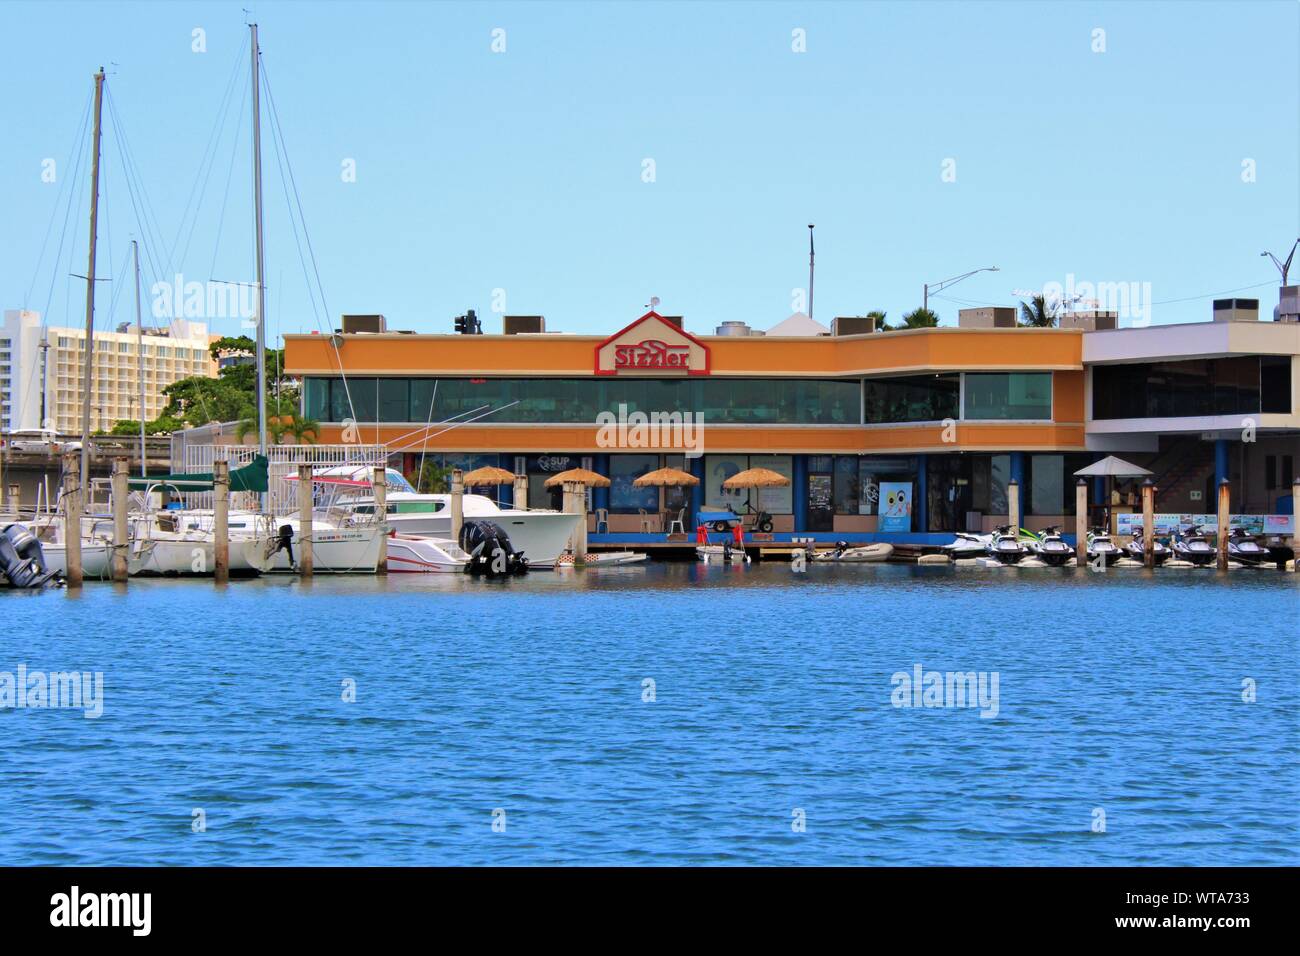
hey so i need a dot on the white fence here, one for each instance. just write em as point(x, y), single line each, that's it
point(282, 495)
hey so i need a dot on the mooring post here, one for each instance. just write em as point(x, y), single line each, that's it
point(1013, 506)
point(1081, 522)
point(1295, 524)
point(306, 564)
point(1149, 523)
point(521, 492)
point(72, 519)
point(121, 545)
point(1223, 525)
point(381, 515)
point(457, 503)
point(221, 521)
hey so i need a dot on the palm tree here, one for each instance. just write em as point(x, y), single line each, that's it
point(920, 319)
point(1037, 314)
point(881, 324)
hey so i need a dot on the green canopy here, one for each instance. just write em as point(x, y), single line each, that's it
point(252, 477)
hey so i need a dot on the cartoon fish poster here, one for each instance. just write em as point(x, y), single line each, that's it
point(895, 506)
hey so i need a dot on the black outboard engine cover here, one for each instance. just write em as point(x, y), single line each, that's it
point(490, 551)
point(22, 561)
point(284, 542)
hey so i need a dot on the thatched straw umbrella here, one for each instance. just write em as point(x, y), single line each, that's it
point(756, 478)
point(667, 478)
point(580, 475)
point(488, 476)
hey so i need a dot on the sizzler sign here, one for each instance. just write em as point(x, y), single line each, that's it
point(652, 345)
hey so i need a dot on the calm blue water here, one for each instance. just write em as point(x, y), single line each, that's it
point(773, 693)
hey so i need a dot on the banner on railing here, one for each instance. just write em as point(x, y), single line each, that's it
point(1128, 523)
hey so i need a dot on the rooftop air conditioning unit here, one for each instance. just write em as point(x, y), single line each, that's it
point(522, 324)
point(1236, 310)
point(363, 323)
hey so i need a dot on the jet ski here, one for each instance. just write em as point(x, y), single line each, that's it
point(1191, 545)
point(1101, 547)
point(1245, 547)
point(967, 546)
point(1050, 547)
point(1006, 546)
point(1135, 549)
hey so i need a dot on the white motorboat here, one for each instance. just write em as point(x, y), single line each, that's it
point(408, 553)
point(96, 545)
point(540, 535)
point(336, 549)
point(844, 553)
point(966, 545)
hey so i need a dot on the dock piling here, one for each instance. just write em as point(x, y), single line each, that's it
point(1223, 525)
point(305, 556)
point(1013, 506)
point(381, 515)
point(1295, 520)
point(121, 546)
point(1081, 522)
point(521, 492)
point(1149, 523)
point(220, 521)
point(457, 502)
point(72, 519)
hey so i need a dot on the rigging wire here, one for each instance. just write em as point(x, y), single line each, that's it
point(208, 159)
point(276, 125)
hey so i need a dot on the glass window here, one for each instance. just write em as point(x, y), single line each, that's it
point(1275, 384)
point(1046, 485)
point(776, 501)
point(394, 400)
point(1009, 395)
point(845, 493)
point(1240, 385)
point(625, 497)
point(717, 469)
point(916, 398)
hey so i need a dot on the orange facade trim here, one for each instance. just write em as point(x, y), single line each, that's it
point(571, 355)
point(801, 439)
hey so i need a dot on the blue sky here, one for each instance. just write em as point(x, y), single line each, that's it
point(523, 171)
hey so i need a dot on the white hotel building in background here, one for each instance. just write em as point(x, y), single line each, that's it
point(35, 357)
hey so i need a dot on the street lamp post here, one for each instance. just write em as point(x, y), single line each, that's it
point(1283, 267)
point(940, 286)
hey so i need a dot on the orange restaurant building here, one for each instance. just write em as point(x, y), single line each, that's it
point(912, 432)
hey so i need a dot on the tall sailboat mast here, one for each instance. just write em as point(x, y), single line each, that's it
point(260, 299)
point(88, 379)
point(139, 355)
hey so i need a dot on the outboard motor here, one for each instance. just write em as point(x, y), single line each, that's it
point(284, 542)
point(489, 549)
point(22, 561)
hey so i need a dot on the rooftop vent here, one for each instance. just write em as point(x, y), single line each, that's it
point(1288, 307)
point(1236, 310)
point(363, 323)
point(1089, 321)
point(853, 324)
point(522, 324)
point(988, 317)
point(672, 320)
point(734, 329)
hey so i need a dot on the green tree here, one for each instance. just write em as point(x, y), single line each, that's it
point(881, 324)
